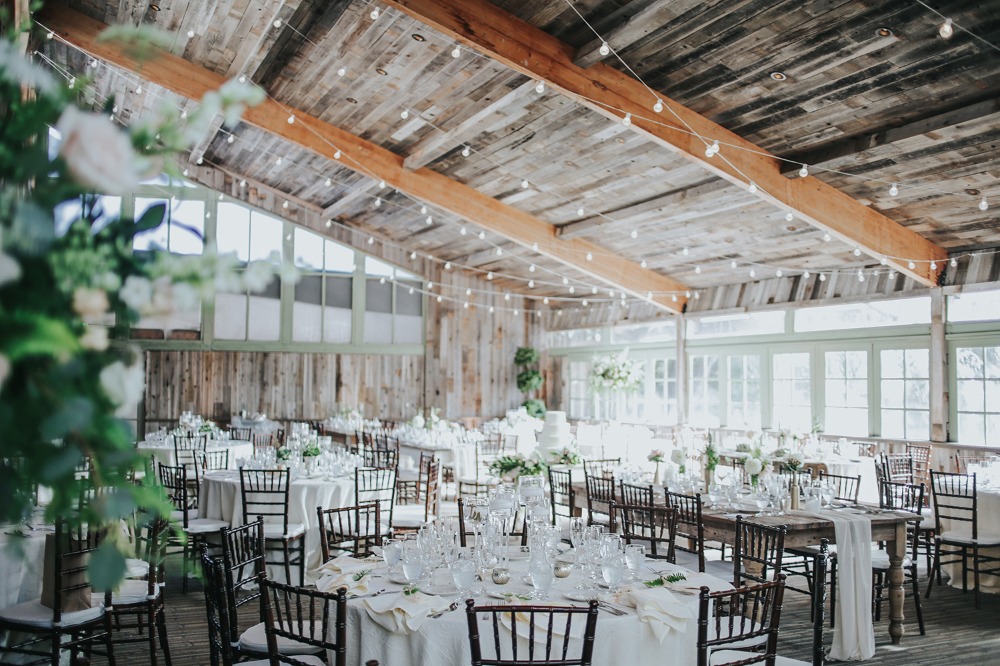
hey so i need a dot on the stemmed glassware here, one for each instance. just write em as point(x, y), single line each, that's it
point(391, 553)
point(413, 563)
point(635, 557)
point(463, 574)
point(613, 570)
point(542, 574)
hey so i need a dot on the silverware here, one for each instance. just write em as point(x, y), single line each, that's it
point(372, 594)
point(452, 606)
point(609, 608)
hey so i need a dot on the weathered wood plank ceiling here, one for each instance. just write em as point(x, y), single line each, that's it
point(869, 95)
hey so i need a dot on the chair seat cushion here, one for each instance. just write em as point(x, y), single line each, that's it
point(735, 656)
point(307, 659)
point(880, 559)
point(254, 639)
point(130, 593)
point(34, 614)
point(407, 475)
point(965, 536)
point(136, 568)
point(927, 521)
point(204, 525)
point(277, 530)
point(178, 516)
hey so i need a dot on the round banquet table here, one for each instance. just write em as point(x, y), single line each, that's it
point(988, 500)
point(461, 457)
point(444, 640)
point(164, 452)
point(220, 499)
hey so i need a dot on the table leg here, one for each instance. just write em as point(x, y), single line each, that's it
point(897, 551)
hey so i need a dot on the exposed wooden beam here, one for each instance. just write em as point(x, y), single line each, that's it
point(836, 151)
point(192, 81)
point(487, 28)
point(358, 192)
point(644, 21)
point(677, 197)
point(436, 144)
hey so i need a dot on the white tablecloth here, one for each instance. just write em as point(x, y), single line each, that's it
point(989, 524)
point(444, 640)
point(164, 452)
point(461, 457)
point(220, 499)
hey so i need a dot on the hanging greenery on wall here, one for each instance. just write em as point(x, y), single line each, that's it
point(529, 379)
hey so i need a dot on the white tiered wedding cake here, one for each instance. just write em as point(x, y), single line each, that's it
point(555, 434)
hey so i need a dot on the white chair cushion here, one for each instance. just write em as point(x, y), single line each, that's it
point(178, 516)
point(730, 656)
point(131, 592)
point(408, 475)
point(965, 536)
point(135, 568)
point(34, 614)
point(204, 525)
point(880, 559)
point(927, 521)
point(254, 639)
point(308, 659)
point(277, 530)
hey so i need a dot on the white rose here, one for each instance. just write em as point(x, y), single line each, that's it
point(90, 303)
point(753, 466)
point(678, 456)
point(95, 339)
point(123, 385)
point(136, 293)
point(4, 369)
point(99, 155)
point(10, 270)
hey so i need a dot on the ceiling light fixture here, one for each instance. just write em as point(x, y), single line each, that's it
point(778, 76)
point(947, 29)
point(457, 51)
point(804, 171)
point(540, 87)
point(884, 32)
point(605, 49)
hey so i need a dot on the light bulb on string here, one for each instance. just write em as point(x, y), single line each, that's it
point(658, 106)
point(590, 256)
point(457, 51)
point(580, 211)
point(893, 190)
point(336, 154)
point(673, 297)
point(697, 270)
point(697, 295)
point(685, 252)
point(291, 119)
point(643, 264)
point(789, 216)
point(466, 151)
point(516, 312)
point(822, 277)
point(933, 265)
point(277, 22)
point(506, 297)
point(499, 251)
point(378, 202)
point(627, 120)
point(605, 49)
point(381, 280)
point(585, 302)
point(404, 114)
point(525, 184)
point(732, 264)
point(861, 275)
point(277, 161)
point(712, 149)
point(572, 289)
point(243, 183)
point(531, 268)
point(954, 263)
point(892, 275)
point(184, 173)
point(593, 290)
point(911, 265)
point(50, 35)
point(200, 160)
point(341, 71)
point(447, 265)
point(284, 205)
point(465, 305)
point(468, 291)
point(411, 291)
point(413, 255)
point(463, 231)
point(565, 280)
point(138, 90)
point(947, 29)
point(804, 171)
point(328, 182)
point(439, 299)
point(540, 87)
point(482, 235)
point(230, 138)
point(374, 14)
point(371, 240)
point(752, 189)
point(531, 284)
point(983, 205)
point(826, 237)
point(752, 273)
point(423, 210)
point(805, 275)
point(430, 286)
point(381, 184)
point(634, 234)
point(429, 221)
point(778, 273)
point(857, 252)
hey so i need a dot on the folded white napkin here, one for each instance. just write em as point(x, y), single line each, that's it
point(661, 608)
point(402, 613)
point(345, 571)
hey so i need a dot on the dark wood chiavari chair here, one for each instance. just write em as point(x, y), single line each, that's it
point(546, 645)
point(265, 493)
point(350, 530)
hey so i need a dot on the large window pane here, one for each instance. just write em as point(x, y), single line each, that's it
point(308, 250)
point(265, 313)
point(744, 392)
point(187, 226)
point(846, 390)
point(265, 236)
point(792, 403)
point(977, 306)
point(978, 387)
point(744, 323)
point(232, 232)
point(704, 402)
point(899, 312)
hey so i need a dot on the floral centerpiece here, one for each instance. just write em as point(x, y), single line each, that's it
point(615, 372)
point(284, 453)
point(679, 458)
point(512, 466)
point(657, 456)
point(566, 456)
point(208, 426)
point(70, 290)
point(310, 450)
point(710, 460)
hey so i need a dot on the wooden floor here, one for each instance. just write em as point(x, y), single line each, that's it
point(957, 633)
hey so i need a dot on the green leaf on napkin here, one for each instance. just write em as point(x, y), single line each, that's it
point(514, 595)
point(410, 591)
point(361, 574)
point(662, 580)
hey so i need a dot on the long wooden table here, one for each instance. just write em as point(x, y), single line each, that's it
point(808, 530)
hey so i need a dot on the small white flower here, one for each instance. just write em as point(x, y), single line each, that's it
point(123, 385)
point(678, 456)
point(10, 270)
point(95, 339)
point(136, 293)
point(4, 369)
point(99, 155)
point(753, 466)
point(258, 275)
point(108, 281)
point(90, 303)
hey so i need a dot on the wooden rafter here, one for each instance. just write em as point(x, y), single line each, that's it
point(192, 81)
point(497, 34)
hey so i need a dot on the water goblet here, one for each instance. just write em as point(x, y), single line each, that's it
point(542, 574)
point(413, 565)
point(635, 557)
point(612, 571)
point(463, 574)
point(391, 553)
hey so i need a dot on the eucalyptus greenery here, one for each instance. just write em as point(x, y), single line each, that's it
point(69, 292)
point(529, 380)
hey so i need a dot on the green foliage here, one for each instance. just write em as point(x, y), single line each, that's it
point(517, 463)
point(525, 356)
point(534, 407)
point(529, 380)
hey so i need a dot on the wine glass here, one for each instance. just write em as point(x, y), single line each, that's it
point(391, 553)
point(612, 570)
point(463, 574)
point(635, 557)
point(413, 564)
point(540, 569)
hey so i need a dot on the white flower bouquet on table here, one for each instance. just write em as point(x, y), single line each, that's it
point(679, 458)
point(615, 373)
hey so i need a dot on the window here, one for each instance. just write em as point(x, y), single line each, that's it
point(743, 409)
point(899, 312)
point(846, 391)
point(251, 236)
point(974, 306)
point(704, 403)
point(660, 403)
point(791, 397)
point(321, 310)
point(578, 337)
point(393, 306)
point(978, 383)
point(579, 390)
point(183, 228)
point(654, 331)
point(746, 323)
point(905, 392)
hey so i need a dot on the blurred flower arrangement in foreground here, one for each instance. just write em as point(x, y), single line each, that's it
point(65, 380)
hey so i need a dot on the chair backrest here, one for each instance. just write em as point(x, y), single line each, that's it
point(921, 454)
point(546, 633)
point(432, 488)
point(239, 434)
point(212, 460)
point(150, 545)
point(263, 439)
point(175, 485)
point(652, 526)
point(600, 492)
point(562, 494)
point(242, 560)
point(757, 552)
point(898, 467)
point(349, 530)
point(902, 496)
point(303, 616)
point(962, 462)
point(845, 488)
point(821, 564)
point(220, 636)
point(382, 458)
point(602, 467)
point(746, 618)
point(265, 493)
point(636, 493)
point(801, 477)
point(376, 485)
point(689, 523)
point(185, 448)
point(73, 546)
point(955, 500)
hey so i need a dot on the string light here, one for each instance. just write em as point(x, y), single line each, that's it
point(643, 264)
point(605, 49)
point(585, 302)
point(336, 154)
point(593, 290)
point(634, 234)
point(374, 14)
point(404, 114)
point(439, 299)
point(804, 171)
point(673, 297)
point(805, 275)
point(732, 264)
point(893, 190)
point(822, 277)
point(954, 263)
point(468, 291)
point(712, 149)
point(627, 120)
point(531, 284)
point(540, 87)
point(447, 265)
point(499, 251)
point(911, 265)
point(277, 22)
point(697, 270)
point(983, 205)
point(947, 29)
point(580, 211)
point(457, 51)
point(341, 71)
point(138, 90)
point(861, 275)
point(572, 289)
point(378, 202)
point(752, 273)
point(506, 297)
point(482, 235)
point(658, 106)
point(492, 309)
point(423, 210)
point(778, 273)
point(590, 256)
point(752, 189)
point(429, 221)
point(827, 237)
point(243, 183)
point(933, 265)
point(413, 255)
point(545, 300)
point(685, 252)
point(857, 252)
point(328, 182)
point(525, 184)
point(291, 119)
point(565, 280)
point(277, 161)
point(230, 138)
point(190, 34)
point(789, 216)
point(466, 151)
point(371, 240)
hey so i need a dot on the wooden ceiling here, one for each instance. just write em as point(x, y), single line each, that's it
point(870, 95)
